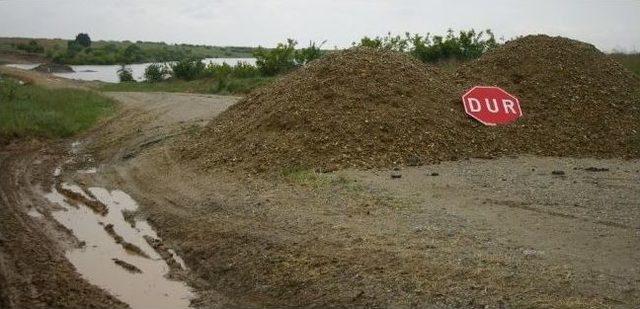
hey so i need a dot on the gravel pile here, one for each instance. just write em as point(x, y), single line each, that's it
point(367, 108)
point(576, 100)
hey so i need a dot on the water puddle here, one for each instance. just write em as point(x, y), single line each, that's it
point(122, 256)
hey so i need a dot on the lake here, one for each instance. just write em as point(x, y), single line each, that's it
point(108, 73)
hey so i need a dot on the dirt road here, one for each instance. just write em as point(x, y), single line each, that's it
point(507, 232)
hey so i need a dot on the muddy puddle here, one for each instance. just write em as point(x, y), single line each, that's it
point(124, 257)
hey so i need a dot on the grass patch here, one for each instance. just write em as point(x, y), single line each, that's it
point(313, 179)
point(240, 85)
point(307, 178)
point(33, 111)
point(174, 85)
point(206, 85)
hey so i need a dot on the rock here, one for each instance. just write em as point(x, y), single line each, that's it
point(531, 253)
point(396, 175)
point(596, 169)
point(557, 172)
point(434, 174)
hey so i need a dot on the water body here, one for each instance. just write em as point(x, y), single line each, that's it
point(145, 287)
point(109, 73)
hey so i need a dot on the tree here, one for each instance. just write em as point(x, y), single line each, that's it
point(83, 39)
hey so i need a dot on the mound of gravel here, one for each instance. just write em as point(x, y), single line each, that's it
point(576, 100)
point(355, 108)
point(367, 108)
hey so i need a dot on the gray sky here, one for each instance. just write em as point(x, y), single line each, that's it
point(609, 24)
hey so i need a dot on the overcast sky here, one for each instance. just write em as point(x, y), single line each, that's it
point(609, 24)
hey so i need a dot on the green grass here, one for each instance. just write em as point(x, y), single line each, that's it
point(310, 178)
point(33, 111)
point(196, 86)
point(206, 85)
point(630, 61)
point(240, 85)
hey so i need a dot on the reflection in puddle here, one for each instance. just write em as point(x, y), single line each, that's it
point(95, 260)
point(76, 189)
point(92, 170)
point(34, 213)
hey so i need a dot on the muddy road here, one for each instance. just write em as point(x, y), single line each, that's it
point(507, 232)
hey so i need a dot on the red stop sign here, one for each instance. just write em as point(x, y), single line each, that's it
point(491, 105)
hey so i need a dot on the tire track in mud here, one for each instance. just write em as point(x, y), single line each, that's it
point(33, 270)
point(115, 250)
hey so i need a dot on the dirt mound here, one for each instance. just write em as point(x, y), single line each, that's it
point(354, 108)
point(368, 108)
point(576, 100)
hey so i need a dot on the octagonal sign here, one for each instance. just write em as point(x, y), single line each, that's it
point(491, 105)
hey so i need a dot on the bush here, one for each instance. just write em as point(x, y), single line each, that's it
point(125, 75)
point(224, 70)
point(285, 57)
point(463, 46)
point(31, 47)
point(73, 48)
point(305, 55)
point(187, 69)
point(277, 60)
point(155, 72)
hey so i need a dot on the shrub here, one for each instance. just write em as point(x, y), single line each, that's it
point(155, 72)
point(224, 70)
point(31, 47)
point(188, 69)
point(305, 55)
point(463, 46)
point(277, 60)
point(245, 70)
point(387, 42)
point(125, 75)
point(285, 57)
point(73, 48)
